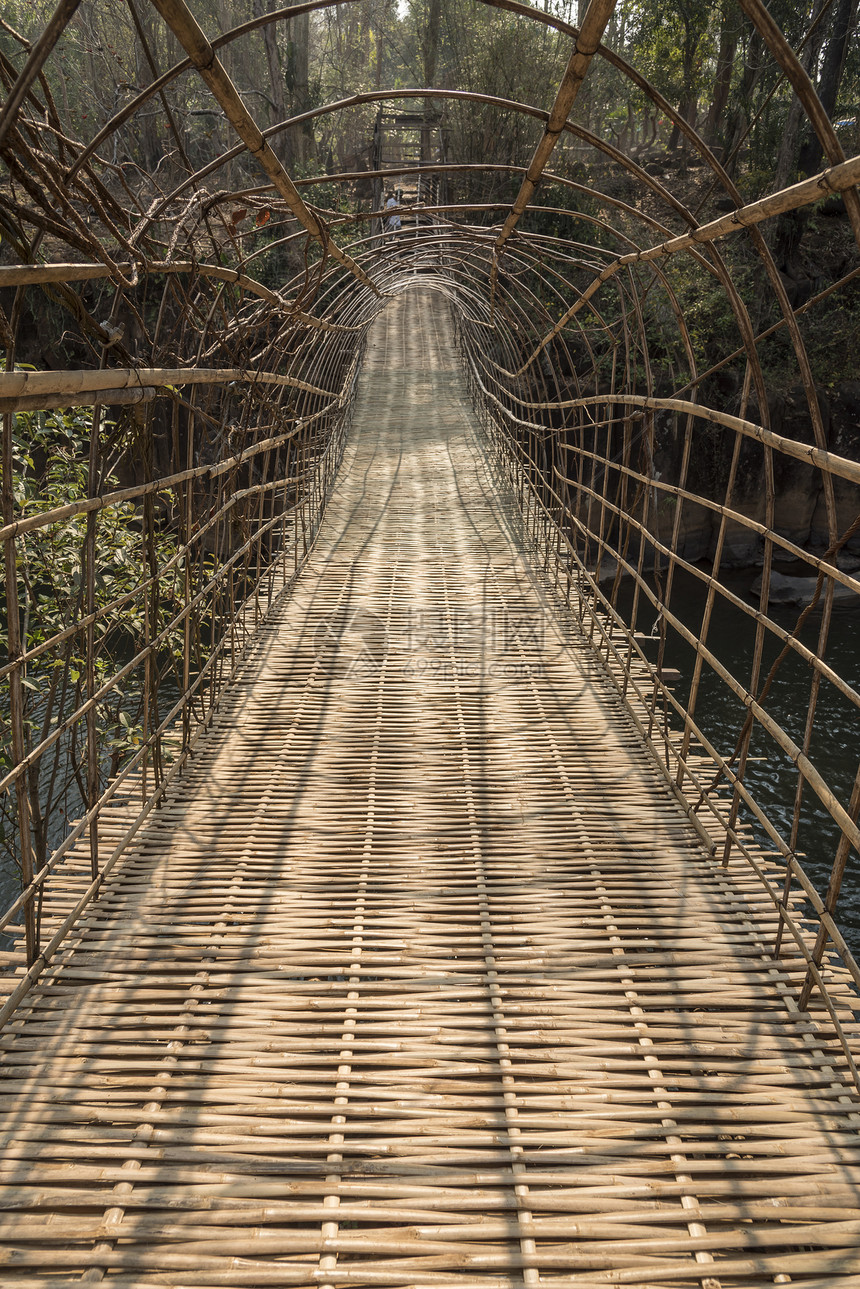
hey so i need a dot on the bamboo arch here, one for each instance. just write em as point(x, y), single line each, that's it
point(228, 398)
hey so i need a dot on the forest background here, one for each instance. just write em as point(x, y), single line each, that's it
point(704, 58)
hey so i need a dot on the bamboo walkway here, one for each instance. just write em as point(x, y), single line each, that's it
point(421, 977)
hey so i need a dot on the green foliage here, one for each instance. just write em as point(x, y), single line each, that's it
point(50, 453)
point(673, 44)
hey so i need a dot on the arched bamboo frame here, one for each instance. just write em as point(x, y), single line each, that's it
point(552, 360)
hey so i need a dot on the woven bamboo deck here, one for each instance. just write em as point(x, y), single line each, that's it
point(422, 977)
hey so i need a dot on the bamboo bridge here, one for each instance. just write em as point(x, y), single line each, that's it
point(394, 905)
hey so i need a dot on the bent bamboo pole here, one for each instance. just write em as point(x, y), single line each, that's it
point(45, 402)
point(829, 462)
point(838, 179)
point(36, 274)
point(805, 91)
point(587, 43)
point(72, 384)
point(40, 52)
point(193, 40)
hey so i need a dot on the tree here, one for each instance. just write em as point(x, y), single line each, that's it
point(786, 164)
point(299, 84)
point(430, 57)
point(830, 78)
point(694, 17)
point(50, 452)
point(730, 30)
point(276, 74)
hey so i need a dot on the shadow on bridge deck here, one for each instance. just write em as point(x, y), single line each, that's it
point(421, 976)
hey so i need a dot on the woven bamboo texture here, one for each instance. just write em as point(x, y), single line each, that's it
point(421, 976)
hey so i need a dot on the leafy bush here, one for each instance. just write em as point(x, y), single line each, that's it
point(50, 461)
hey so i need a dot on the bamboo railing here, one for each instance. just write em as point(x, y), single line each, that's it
point(246, 458)
point(219, 333)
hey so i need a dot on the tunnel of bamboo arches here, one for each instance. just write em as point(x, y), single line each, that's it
point(317, 970)
point(214, 396)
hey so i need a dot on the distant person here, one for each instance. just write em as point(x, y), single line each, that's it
point(392, 220)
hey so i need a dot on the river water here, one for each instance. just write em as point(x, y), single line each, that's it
point(835, 747)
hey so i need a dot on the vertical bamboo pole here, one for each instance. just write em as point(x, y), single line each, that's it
point(198, 616)
point(833, 888)
point(220, 546)
point(755, 670)
point(188, 517)
point(147, 664)
point(624, 531)
point(258, 538)
point(695, 682)
point(89, 579)
point(814, 690)
point(285, 512)
point(149, 565)
point(16, 689)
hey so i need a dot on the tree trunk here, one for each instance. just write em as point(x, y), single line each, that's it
point(689, 99)
point(300, 32)
point(729, 35)
point(276, 75)
point(741, 116)
point(583, 101)
point(148, 151)
point(811, 153)
point(786, 162)
point(430, 58)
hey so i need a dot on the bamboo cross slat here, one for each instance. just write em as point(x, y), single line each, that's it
point(421, 975)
